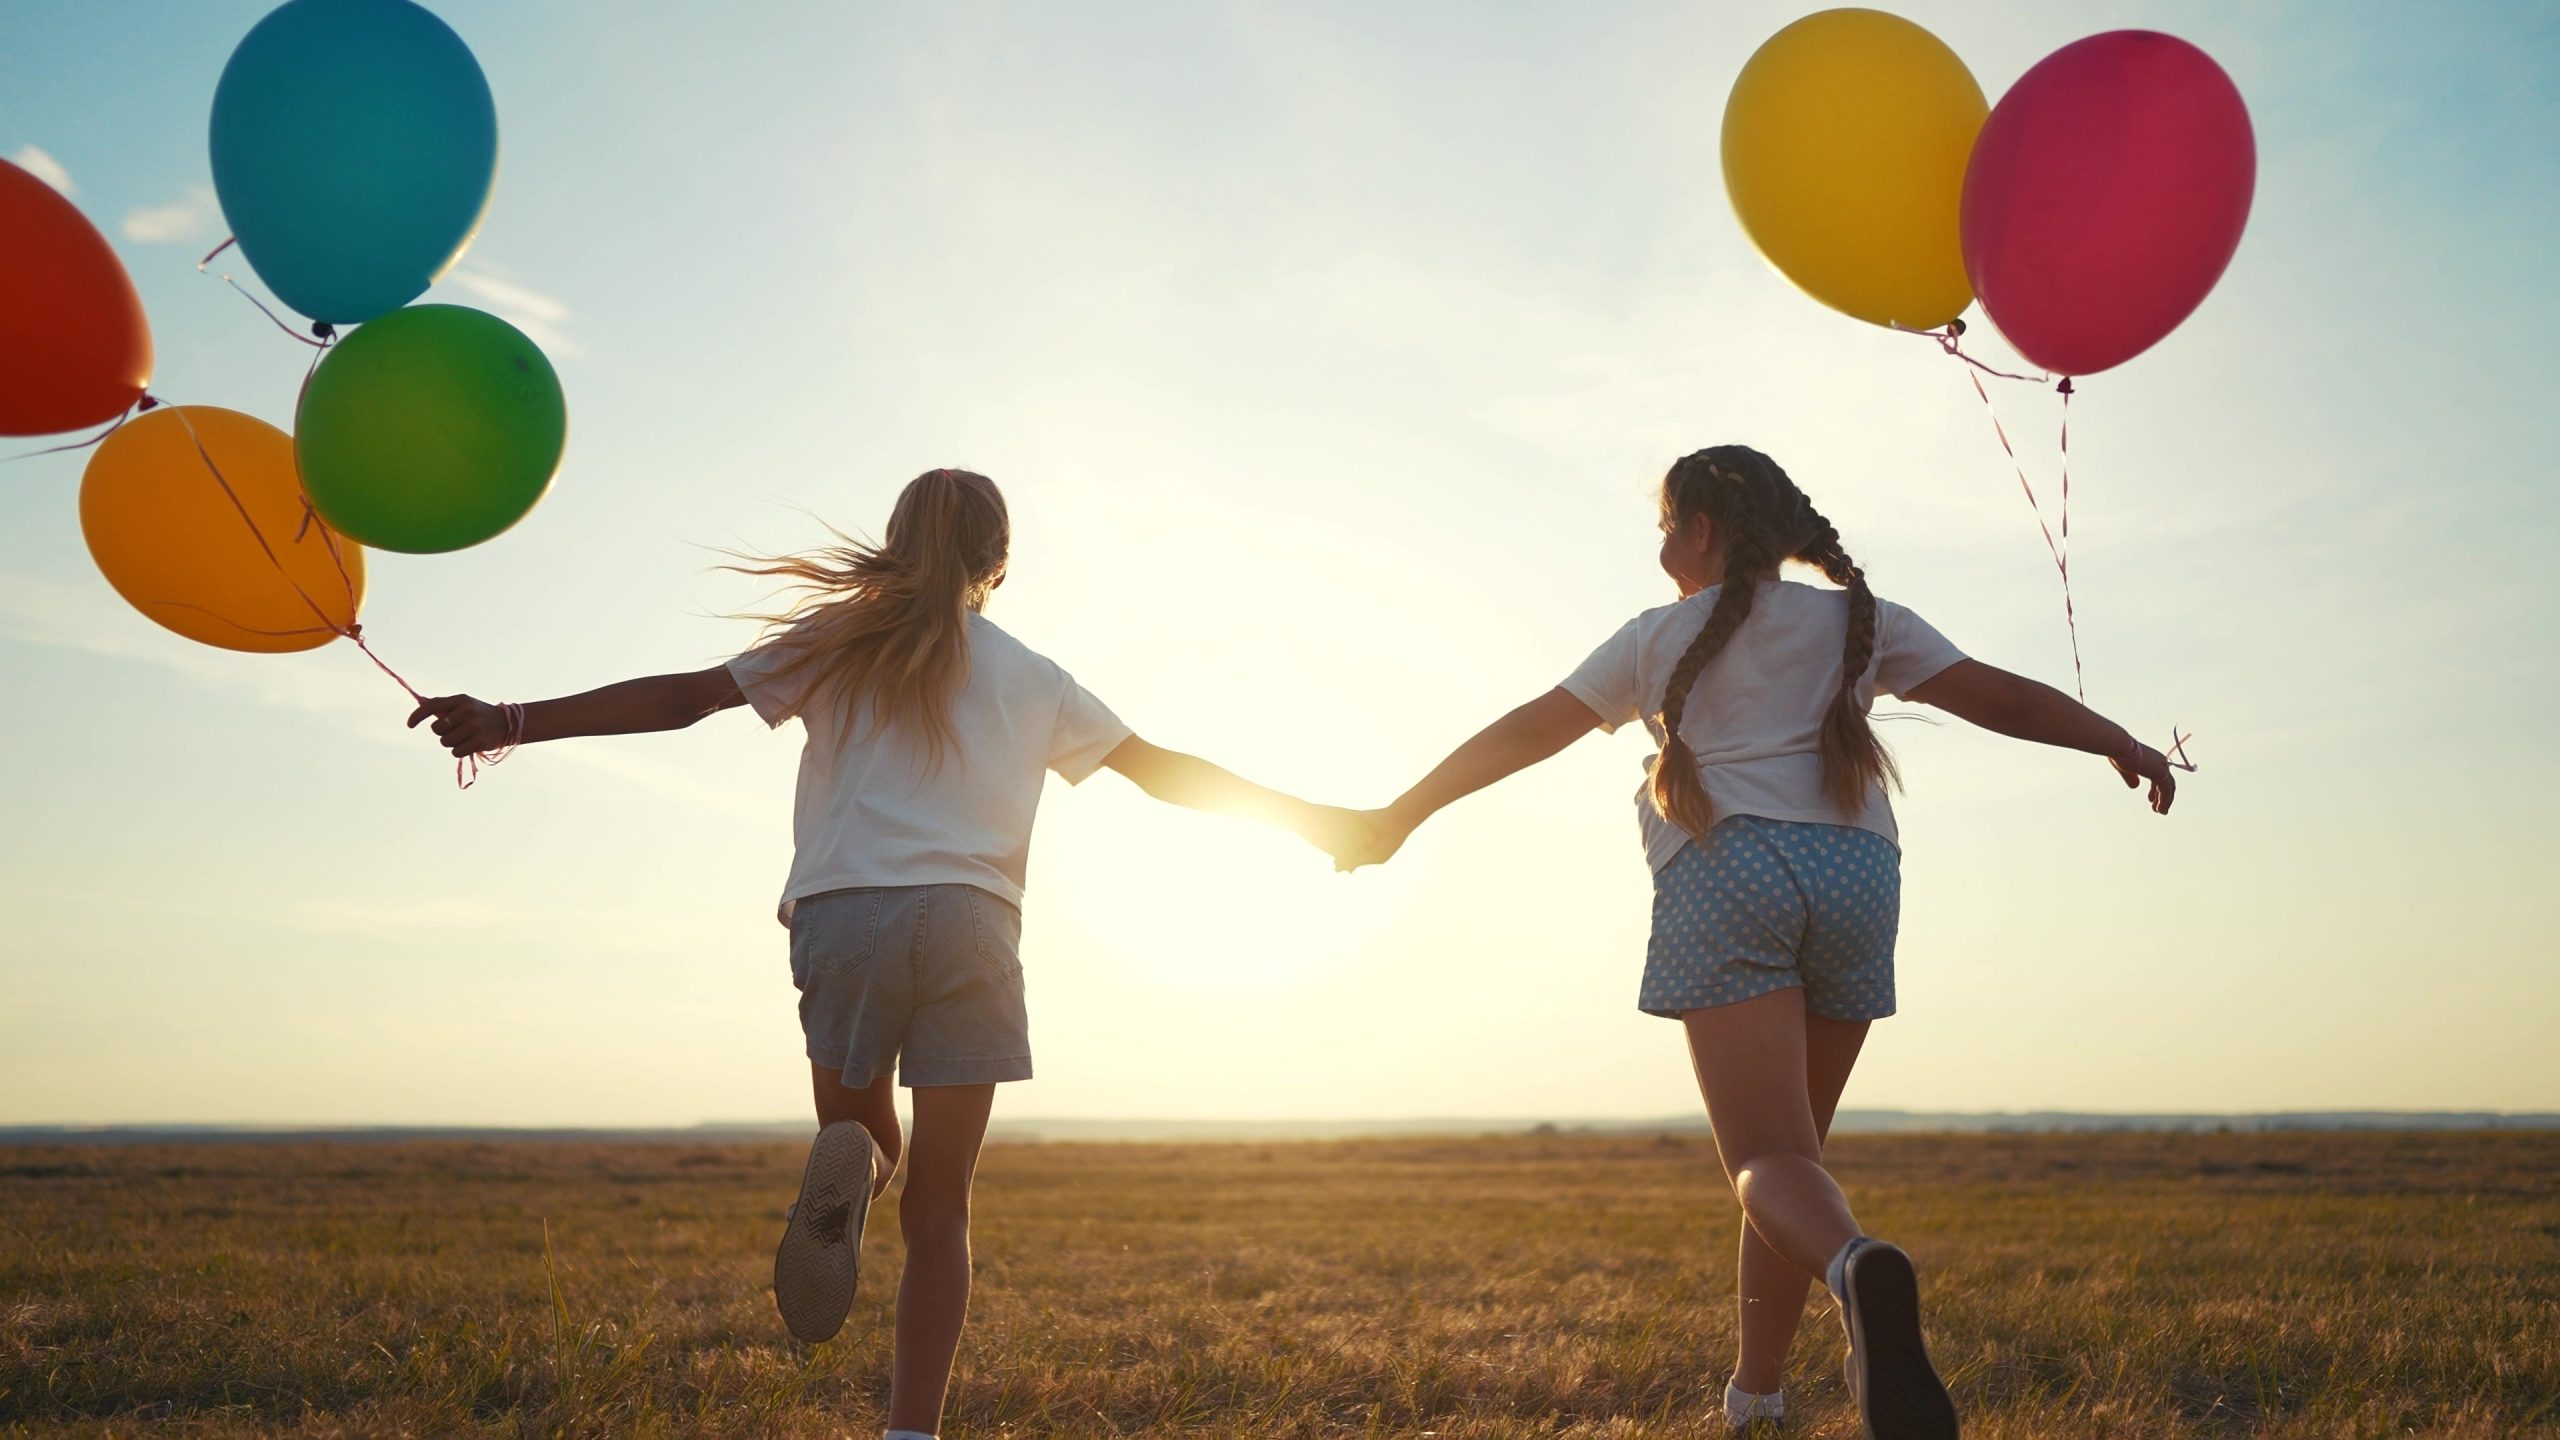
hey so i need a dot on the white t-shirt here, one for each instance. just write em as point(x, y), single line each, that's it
point(1755, 717)
point(872, 809)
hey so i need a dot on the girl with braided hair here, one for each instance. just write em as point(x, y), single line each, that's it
point(1777, 875)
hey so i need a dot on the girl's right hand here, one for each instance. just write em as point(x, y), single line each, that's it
point(2148, 764)
point(463, 725)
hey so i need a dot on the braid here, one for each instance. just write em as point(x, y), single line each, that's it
point(1734, 485)
point(1679, 796)
point(1765, 519)
point(1853, 759)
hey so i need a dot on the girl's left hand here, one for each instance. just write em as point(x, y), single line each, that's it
point(463, 725)
point(1355, 838)
point(2149, 764)
point(1337, 832)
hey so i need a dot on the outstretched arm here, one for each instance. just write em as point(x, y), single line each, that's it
point(2025, 709)
point(1196, 784)
point(466, 726)
point(1533, 732)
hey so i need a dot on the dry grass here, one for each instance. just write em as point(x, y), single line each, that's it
point(2336, 1285)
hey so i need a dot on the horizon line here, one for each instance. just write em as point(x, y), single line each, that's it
point(1848, 1121)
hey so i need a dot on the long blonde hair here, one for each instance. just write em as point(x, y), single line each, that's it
point(1765, 521)
point(886, 627)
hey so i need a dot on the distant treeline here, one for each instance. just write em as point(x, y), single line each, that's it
point(1899, 1122)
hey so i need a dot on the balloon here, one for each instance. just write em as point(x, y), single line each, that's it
point(433, 428)
point(1844, 147)
point(75, 350)
point(354, 147)
point(178, 550)
point(2106, 195)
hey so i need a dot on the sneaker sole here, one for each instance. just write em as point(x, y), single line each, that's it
point(1898, 1390)
point(820, 1257)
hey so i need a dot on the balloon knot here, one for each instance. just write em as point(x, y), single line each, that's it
point(147, 402)
point(1956, 328)
point(2065, 386)
point(323, 329)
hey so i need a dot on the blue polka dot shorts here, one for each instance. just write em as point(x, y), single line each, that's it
point(1760, 904)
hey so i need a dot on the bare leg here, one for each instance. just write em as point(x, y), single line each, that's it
point(1751, 1063)
point(1773, 1291)
point(933, 1299)
point(874, 1107)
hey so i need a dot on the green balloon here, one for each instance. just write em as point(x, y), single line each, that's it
point(432, 428)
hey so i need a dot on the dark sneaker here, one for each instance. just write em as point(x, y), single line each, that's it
point(1896, 1388)
point(821, 1252)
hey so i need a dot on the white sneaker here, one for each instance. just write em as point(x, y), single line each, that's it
point(1754, 1416)
point(821, 1252)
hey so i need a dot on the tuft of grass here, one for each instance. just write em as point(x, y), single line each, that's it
point(2135, 1285)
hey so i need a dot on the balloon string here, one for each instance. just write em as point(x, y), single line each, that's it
point(466, 769)
point(2061, 556)
point(1950, 338)
point(254, 532)
point(310, 516)
point(137, 407)
point(322, 327)
point(2064, 389)
point(2176, 754)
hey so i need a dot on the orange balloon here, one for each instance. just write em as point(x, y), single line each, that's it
point(75, 350)
point(179, 550)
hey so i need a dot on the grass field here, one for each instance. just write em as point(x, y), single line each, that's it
point(2328, 1285)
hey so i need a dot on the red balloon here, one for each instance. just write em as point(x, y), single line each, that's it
point(2105, 195)
point(75, 350)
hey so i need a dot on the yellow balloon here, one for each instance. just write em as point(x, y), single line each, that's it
point(179, 550)
point(1845, 143)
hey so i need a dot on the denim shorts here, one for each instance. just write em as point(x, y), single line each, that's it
point(1759, 905)
point(923, 978)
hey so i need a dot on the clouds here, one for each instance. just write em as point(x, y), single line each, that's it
point(192, 217)
point(196, 219)
point(543, 318)
point(39, 162)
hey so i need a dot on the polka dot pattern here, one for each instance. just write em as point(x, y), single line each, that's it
point(1760, 904)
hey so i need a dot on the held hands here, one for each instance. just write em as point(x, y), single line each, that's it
point(463, 725)
point(1354, 838)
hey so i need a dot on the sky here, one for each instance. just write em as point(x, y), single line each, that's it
point(1328, 354)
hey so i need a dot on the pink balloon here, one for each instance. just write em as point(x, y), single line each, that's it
point(2105, 195)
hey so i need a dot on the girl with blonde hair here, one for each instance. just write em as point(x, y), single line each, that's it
point(929, 731)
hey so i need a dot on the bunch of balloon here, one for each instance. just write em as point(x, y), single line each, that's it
point(355, 145)
point(2091, 210)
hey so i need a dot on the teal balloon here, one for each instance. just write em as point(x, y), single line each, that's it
point(431, 429)
point(354, 148)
